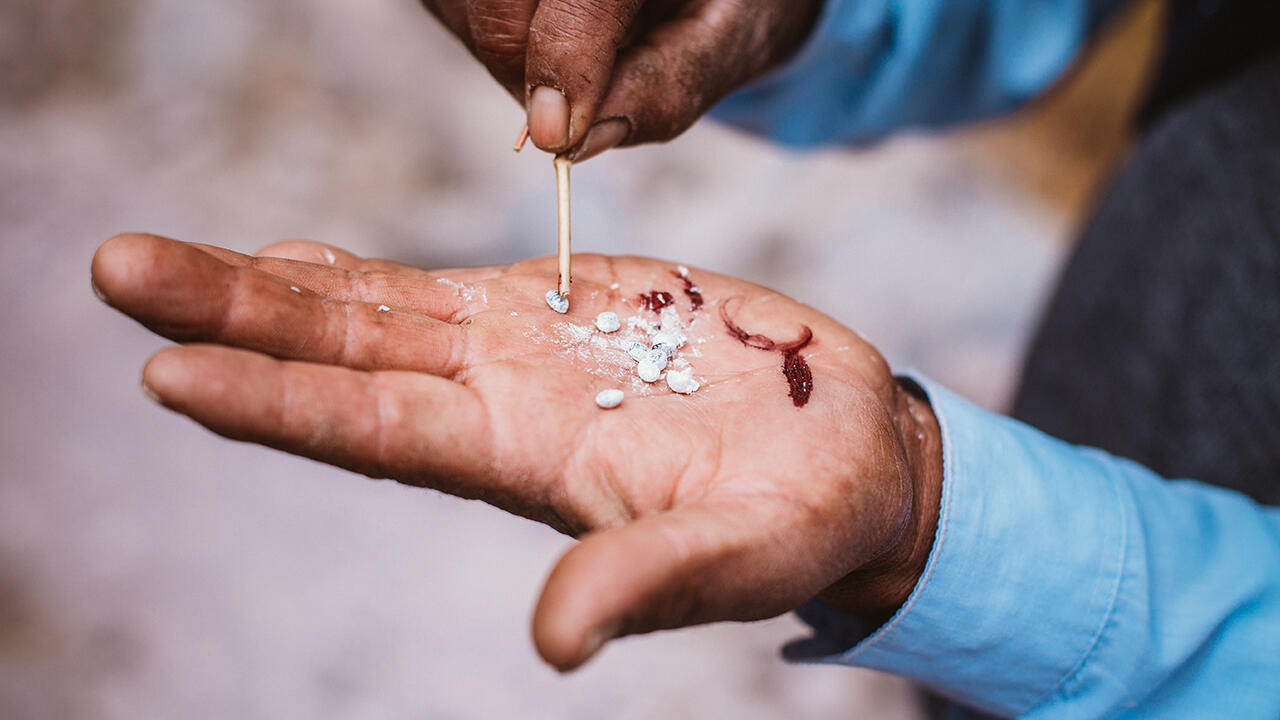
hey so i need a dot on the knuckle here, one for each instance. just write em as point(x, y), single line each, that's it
point(506, 50)
point(588, 14)
point(599, 22)
point(573, 44)
point(676, 95)
point(500, 44)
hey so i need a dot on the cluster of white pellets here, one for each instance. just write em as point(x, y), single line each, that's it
point(654, 358)
point(652, 365)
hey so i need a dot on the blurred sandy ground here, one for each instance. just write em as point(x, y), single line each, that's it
point(151, 570)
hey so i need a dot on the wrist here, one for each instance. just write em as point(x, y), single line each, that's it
point(875, 591)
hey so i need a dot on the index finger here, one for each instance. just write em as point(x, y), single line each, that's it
point(189, 294)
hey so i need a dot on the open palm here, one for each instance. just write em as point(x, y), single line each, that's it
point(795, 468)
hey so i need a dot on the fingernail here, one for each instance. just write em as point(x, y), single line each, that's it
point(98, 292)
point(155, 396)
point(594, 642)
point(599, 637)
point(548, 118)
point(602, 136)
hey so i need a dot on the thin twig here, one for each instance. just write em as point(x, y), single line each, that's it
point(562, 196)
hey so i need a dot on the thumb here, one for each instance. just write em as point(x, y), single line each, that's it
point(693, 565)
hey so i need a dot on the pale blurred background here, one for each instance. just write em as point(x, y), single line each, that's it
point(149, 569)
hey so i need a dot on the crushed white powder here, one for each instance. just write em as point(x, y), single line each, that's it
point(468, 293)
point(670, 323)
point(598, 354)
point(573, 333)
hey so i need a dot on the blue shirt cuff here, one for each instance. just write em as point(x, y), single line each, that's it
point(1023, 575)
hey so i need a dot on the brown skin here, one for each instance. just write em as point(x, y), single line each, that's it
point(654, 65)
point(729, 504)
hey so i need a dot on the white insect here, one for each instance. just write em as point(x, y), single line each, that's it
point(608, 322)
point(609, 399)
point(383, 308)
point(557, 302)
point(682, 381)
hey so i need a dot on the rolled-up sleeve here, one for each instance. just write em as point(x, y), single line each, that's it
point(872, 67)
point(1065, 582)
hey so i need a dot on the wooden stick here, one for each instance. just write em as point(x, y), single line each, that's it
point(562, 195)
point(524, 138)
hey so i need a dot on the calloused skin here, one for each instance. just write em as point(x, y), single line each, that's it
point(728, 504)
point(594, 74)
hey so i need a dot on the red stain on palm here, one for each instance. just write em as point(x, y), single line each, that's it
point(655, 300)
point(691, 290)
point(794, 367)
point(799, 377)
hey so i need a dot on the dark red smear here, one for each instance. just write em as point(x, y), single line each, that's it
point(655, 300)
point(799, 377)
point(695, 295)
point(794, 367)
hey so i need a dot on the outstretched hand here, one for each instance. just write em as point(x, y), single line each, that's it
point(737, 502)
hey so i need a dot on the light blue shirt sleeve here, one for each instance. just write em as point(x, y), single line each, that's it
point(1068, 583)
point(872, 67)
